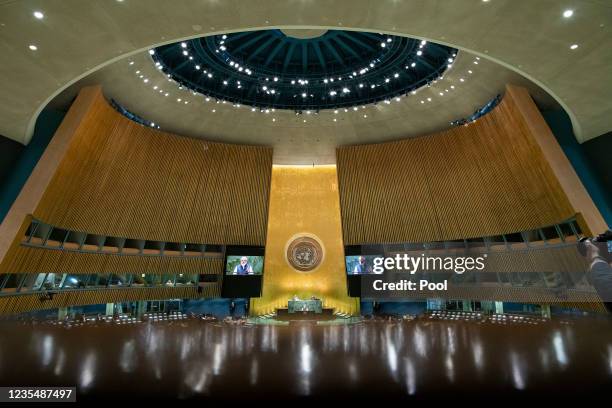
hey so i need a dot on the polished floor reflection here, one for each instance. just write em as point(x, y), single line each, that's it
point(420, 358)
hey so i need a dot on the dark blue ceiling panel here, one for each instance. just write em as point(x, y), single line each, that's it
point(268, 69)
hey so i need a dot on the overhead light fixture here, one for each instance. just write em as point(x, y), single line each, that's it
point(32, 47)
point(39, 15)
point(568, 13)
point(573, 46)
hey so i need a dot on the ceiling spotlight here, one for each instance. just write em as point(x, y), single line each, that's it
point(573, 46)
point(184, 44)
point(422, 101)
point(185, 53)
point(32, 47)
point(383, 45)
point(303, 95)
point(461, 79)
point(345, 90)
point(568, 13)
point(39, 15)
point(419, 53)
point(396, 75)
point(151, 52)
point(413, 64)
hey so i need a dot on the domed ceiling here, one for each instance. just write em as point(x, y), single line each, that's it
point(300, 71)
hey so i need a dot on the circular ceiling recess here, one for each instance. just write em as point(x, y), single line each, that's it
point(303, 70)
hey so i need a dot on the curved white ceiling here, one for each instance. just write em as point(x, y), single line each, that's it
point(307, 138)
point(76, 38)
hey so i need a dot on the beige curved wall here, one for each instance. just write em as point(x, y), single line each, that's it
point(120, 178)
point(487, 178)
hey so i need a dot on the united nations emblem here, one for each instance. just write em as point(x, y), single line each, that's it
point(304, 253)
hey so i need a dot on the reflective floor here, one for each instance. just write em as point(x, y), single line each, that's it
point(419, 358)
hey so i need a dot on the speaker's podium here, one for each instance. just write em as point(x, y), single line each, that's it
point(304, 309)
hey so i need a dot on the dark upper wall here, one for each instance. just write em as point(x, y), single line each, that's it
point(9, 153)
point(18, 161)
point(599, 153)
point(591, 160)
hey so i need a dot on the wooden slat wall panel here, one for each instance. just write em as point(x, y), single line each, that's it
point(487, 178)
point(24, 303)
point(122, 179)
point(38, 260)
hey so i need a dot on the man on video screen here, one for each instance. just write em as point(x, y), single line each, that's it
point(361, 266)
point(244, 267)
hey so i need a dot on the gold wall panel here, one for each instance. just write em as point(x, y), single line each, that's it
point(37, 260)
point(25, 303)
point(486, 178)
point(304, 201)
point(123, 179)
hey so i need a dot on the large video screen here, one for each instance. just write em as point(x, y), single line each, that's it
point(242, 265)
point(360, 264)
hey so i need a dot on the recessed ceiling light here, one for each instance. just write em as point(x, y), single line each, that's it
point(574, 46)
point(32, 47)
point(39, 15)
point(568, 13)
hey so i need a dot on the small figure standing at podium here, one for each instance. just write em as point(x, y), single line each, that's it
point(244, 267)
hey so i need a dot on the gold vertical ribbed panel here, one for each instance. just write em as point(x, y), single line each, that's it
point(24, 303)
point(304, 202)
point(38, 260)
point(486, 178)
point(123, 179)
